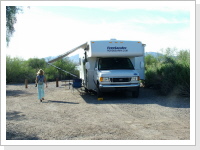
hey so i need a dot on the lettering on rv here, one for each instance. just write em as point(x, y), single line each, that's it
point(117, 49)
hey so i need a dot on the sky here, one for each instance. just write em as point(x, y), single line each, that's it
point(44, 30)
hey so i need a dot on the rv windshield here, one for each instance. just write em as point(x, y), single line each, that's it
point(115, 63)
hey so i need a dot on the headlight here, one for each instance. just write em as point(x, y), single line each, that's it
point(135, 78)
point(106, 79)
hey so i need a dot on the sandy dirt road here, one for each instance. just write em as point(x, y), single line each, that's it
point(68, 114)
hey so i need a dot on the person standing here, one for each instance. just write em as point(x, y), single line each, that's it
point(40, 81)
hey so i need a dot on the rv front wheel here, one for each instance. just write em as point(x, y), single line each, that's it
point(135, 93)
point(99, 93)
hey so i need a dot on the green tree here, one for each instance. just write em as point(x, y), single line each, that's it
point(150, 60)
point(17, 70)
point(184, 57)
point(36, 63)
point(11, 19)
point(64, 64)
point(169, 71)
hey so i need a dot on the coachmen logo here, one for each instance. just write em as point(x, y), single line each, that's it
point(117, 49)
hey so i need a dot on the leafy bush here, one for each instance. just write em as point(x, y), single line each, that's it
point(17, 69)
point(169, 71)
point(64, 64)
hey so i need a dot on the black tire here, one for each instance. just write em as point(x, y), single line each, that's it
point(135, 94)
point(99, 93)
point(86, 90)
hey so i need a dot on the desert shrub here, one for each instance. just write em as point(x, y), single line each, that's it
point(152, 79)
point(170, 71)
point(65, 64)
point(167, 82)
point(18, 69)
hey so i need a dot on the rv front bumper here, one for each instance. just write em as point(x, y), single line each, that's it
point(118, 87)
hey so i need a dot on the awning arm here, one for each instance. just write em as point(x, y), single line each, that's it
point(63, 70)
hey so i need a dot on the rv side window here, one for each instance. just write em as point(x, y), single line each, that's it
point(115, 63)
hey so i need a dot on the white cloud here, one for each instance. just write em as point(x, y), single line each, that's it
point(158, 20)
point(144, 5)
point(41, 34)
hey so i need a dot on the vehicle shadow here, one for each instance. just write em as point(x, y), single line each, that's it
point(16, 135)
point(13, 135)
point(15, 92)
point(54, 101)
point(147, 96)
point(15, 115)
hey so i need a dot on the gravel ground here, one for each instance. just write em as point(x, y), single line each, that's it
point(68, 114)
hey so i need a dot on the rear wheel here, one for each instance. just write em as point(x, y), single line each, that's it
point(86, 90)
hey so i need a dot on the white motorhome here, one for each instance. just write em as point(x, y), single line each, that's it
point(111, 65)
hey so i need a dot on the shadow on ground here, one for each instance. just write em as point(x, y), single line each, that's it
point(147, 96)
point(11, 135)
point(15, 135)
point(54, 101)
point(15, 92)
point(15, 115)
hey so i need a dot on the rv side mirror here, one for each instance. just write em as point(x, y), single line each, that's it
point(142, 64)
point(87, 65)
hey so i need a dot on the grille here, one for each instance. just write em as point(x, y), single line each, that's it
point(120, 79)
